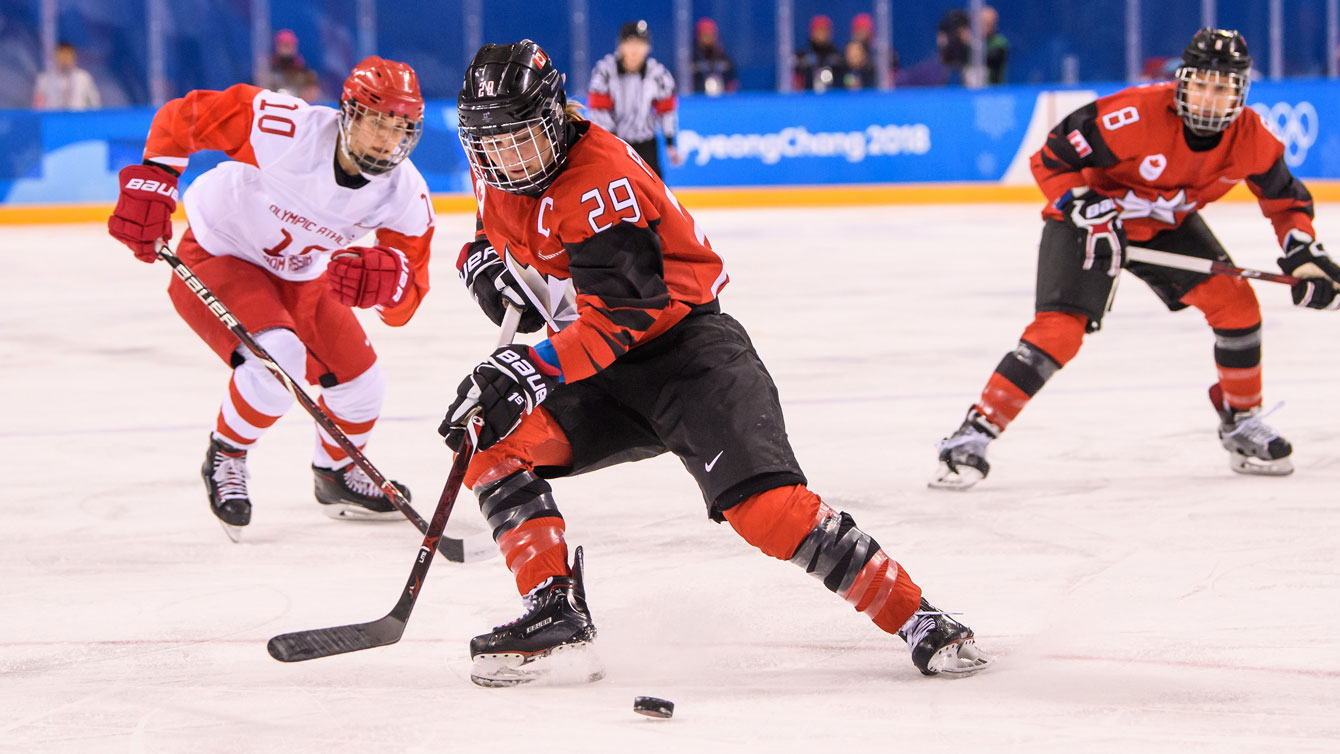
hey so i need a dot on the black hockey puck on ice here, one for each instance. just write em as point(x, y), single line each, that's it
point(653, 707)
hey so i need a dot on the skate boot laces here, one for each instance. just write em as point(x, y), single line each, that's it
point(528, 602)
point(230, 474)
point(1251, 427)
point(921, 624)
point(358, 481)
point(970, 435)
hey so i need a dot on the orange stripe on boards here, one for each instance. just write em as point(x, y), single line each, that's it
point(706, 197)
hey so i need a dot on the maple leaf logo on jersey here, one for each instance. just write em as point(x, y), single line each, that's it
point(1159, 209)
point(1152, 166)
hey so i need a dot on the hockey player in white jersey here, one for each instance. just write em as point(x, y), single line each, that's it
point(271, 233)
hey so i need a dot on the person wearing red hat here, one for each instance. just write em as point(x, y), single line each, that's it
point(273, 234)
point(713, 70)
point(863, 30)
point(815, 63)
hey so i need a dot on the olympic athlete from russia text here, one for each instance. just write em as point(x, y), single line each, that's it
point(272, 234)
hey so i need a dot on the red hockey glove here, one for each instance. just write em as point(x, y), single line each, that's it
point(144, 209)
point(1099, 218)
point(364, 276)
point(1305, 257)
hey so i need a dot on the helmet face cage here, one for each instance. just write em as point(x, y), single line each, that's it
point(1209, 99)
point(519, 158)
point(376, 141)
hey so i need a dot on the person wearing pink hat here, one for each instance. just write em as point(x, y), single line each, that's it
point(713, 70)
point(288, 72)
point(815, 62)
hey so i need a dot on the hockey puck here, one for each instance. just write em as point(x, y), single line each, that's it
point(653, 707)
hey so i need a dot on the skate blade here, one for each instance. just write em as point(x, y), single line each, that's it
point(564, 665)
point(234, 532)
point(958, 660)
point(351, 512)
point(1244, 464)
point(949, 479)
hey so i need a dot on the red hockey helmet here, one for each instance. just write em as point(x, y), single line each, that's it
point(381, 114)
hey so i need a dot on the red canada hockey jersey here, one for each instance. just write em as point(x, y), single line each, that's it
point(634, 255)
point(1130, 146)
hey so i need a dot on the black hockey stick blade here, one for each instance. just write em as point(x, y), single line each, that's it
point(324, 642)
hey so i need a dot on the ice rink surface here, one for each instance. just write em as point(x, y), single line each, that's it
point(1137, 595)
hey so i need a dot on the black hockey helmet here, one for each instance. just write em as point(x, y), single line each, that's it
point(1216, 58)
point(1217, 50)
point(511, 109)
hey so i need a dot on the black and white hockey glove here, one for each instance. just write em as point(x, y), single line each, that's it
point(1305, 257)
point(1099, 217)
point(506, 386)
point(493, 286)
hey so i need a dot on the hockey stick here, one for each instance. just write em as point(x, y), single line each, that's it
point(324, 642)
point(475, 547)
point(1207, 266)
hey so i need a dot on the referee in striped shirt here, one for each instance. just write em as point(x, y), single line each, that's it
point(631, 94)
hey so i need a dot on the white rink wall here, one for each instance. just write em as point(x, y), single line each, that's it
point(1139, 595)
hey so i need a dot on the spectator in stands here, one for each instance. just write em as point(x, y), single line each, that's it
point(67, 87)
point(953, 37)
point(289, 72)
point(997, 47)
point(713, 70)
point(855, 71)
point(863, 31)
point(632, 95)
point(815, 62)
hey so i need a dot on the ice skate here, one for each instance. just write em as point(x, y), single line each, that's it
point(225, 473)
point(940, 644)
point(963, 454)
point(348, 494)
point(1253, 446)
point(551, 641)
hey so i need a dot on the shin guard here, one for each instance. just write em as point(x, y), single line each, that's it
point(526, 525)
point(831, 548)
point(1051, 340)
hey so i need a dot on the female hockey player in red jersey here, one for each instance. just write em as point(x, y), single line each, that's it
point(270, 234)
point(645, 363)
point(1138, 165)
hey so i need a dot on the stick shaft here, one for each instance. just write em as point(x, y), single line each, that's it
point(1207, 266)
point(231, 322)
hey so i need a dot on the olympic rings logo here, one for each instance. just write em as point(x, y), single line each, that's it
point(1295, 125)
